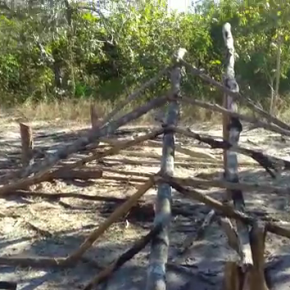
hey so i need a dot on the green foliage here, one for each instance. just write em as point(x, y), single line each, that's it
point(74, 52)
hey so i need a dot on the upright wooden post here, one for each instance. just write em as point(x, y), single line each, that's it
point(156, 279)
point(258, 236)
point(26, 144)
point(232, 128)
point(94, 116)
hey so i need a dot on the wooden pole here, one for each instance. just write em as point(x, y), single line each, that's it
point(232, 128)
point(95, 121)
point(156, 279)
point(26, 144)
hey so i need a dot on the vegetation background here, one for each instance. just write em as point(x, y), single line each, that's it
point(57, 56)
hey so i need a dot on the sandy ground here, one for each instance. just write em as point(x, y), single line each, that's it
point(64, 224)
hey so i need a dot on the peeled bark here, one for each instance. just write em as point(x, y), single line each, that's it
point(232, 128)
point(156, 279)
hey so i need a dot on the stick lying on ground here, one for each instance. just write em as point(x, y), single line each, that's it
point(224, 209)
point(129, 254)
point(58, 195)
point(140, 162)
point(237, 96)
point(266, 161)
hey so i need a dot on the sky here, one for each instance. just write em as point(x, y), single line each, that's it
point(181, 5)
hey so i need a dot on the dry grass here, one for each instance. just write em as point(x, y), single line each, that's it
point(79, 112)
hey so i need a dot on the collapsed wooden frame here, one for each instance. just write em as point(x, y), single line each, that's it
point(51, 167)
point(219, 207)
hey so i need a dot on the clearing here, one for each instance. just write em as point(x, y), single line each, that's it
point(55, 227)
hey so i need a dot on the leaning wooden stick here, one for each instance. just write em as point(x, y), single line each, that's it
point(270, 163)
point(202, 183)
point(226, 210)
point(235, 95)
point(219, 109)
point(156, 278)
point(129, 254)
point(134, 96)
point(121, 210)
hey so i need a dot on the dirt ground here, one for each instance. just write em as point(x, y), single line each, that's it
point(35, 226)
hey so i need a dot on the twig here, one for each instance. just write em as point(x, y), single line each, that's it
point(191, 239)
point(201, 154)
point(41, 262)
point(192, 155)
point(122, 172)
point(32, 261)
